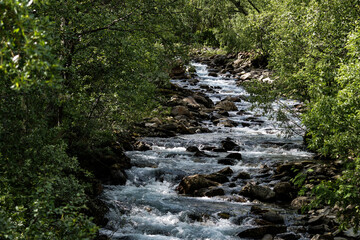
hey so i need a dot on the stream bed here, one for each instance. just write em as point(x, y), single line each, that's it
point(149, 207)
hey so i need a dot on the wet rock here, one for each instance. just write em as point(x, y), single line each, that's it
point(224, 215)
point(273, 217)
point(257, 210)
point(242, 175)
point(226, 105)
point(204, 100)
point(217, 177)
point(287, 236)
point(213, 74)
point(190, 184)
point(284, 191)
point(260, 232)
point(229, 145)
point(209, 192)
point(197, 217)
point(227, 161)
point(226, 171)
point(236, 156)
point(262, 222)
point(192, 149)
point(254, 191)
point(191, 102)
point(224, 113)
point(201, 154)
point(180, 110)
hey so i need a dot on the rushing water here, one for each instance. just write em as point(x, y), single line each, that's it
point(148, 207)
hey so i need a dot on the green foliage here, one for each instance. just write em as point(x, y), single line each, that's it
point(72, 75)
point(344, 194)
point(313, 48)
point(25, 53)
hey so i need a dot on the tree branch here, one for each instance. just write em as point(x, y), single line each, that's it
point(253, 6)
point(239, 7)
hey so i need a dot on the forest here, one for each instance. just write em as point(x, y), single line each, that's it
point(77, 75)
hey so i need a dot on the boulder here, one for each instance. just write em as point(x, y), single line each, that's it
point(226, 171)
point(226, 105)
point(209, 192)
point(242, 175)
point(204, 100)
point(213, 74)
point(273, 217)
point(260, 232)
point(192, 149)
point(236, 156)
point(284, 191)
point(288, 236)
point(217, 177)
point(190, 184)
point(180, 110)
point(229, 145)
point(254, 191)
point(227, 161)
point(191, 102)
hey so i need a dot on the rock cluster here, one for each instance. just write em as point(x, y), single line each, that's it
point(188, 109)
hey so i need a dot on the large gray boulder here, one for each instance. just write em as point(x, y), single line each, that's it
point(254, 191)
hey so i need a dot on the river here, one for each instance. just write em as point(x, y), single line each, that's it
point(148, 206)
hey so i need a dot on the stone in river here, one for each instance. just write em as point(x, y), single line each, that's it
point(273, 217)
point(226, 105)
point(234, 156)
point(259, 232)
point(192, 149)
point(243, 175)
point(227, 161)
point(228, 144)
point(254, 191)
point(190, 184)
